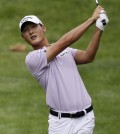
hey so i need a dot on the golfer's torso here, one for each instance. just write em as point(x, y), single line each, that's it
point(60, 78)
point(64, 87)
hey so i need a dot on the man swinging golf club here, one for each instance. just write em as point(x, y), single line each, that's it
point(55, 67)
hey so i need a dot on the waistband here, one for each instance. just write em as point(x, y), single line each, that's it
point(71, 115)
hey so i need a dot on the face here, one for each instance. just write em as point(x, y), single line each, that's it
point(34, 34)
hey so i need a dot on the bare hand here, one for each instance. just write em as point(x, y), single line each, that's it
point(96, 13)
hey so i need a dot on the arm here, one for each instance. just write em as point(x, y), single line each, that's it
point(72, 36)
point(68, 39)
point(83, 57)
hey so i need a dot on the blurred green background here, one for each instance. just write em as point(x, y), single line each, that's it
point(22, 101)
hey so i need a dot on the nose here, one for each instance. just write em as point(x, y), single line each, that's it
point(30, 31)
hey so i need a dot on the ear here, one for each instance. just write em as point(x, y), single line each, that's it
point(22, 35)
point(44, 28)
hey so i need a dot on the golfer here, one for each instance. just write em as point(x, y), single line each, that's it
point(55, 68)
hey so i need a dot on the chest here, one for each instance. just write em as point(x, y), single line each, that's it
point(65, 58)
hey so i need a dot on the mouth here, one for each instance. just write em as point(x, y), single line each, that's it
point(33, 37)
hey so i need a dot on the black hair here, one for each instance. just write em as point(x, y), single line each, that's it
point(24, 24)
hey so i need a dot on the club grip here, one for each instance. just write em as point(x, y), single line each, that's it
point(97, 4)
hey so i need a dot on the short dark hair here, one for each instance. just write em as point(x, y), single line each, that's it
point(24, 24)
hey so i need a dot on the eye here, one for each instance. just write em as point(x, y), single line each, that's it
point(34, 25)
point(24, 30)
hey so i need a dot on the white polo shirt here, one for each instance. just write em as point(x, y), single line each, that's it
point(65, 90)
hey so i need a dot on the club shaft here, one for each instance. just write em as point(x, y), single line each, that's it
point(97, 3)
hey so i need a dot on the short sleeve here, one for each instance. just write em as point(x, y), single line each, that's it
point(73, 51)
point(36, 62)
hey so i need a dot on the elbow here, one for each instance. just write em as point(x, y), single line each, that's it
point(90, 59)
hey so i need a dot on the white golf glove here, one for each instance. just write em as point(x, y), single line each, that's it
point(102, 21)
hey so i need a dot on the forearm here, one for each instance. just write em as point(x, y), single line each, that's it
point(68, 39)
point(76, 33)
point(94, 44)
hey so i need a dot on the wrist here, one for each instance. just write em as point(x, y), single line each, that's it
point(92, 20)
point(98, 30)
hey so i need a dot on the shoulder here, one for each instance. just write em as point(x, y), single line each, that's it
point(31, 55)
point(35, 58)
point(72, 51)
point(35, 54)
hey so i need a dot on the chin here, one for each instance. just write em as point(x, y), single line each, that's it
point(35, 43)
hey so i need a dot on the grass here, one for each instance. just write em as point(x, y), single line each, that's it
point(22, 101)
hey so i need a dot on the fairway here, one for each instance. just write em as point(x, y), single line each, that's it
point(23, 107)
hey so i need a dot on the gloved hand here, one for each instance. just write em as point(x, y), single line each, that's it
point(102, 21)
